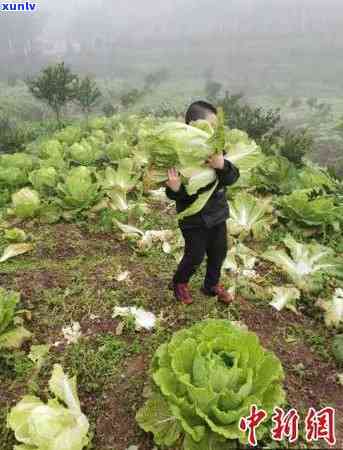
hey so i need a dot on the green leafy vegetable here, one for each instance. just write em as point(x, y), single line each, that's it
point(333, 309)
point(206, 379)
point(320, 211)
point(306, 264)
point(51, 149)
point(276, 174)
point(15, 235)
point(250, 216)
point(58, 424)
point(69, 135)
point(187, 148)
point(198, 204)
point(312, 176)
point(18, 160)
point(13, 177)
point(285, 297)
point(84, 153)
point(11, 336)
point(38, 354)
point(26, 203)
point(43, 178)
point(244, 153)
point(79, 190)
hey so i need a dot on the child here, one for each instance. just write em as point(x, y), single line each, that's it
point(205, 233)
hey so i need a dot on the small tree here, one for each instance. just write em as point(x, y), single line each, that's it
point(130, 98)
point(154, 79)
point(87, 95)
point(12, 136)
point(109, 110)
point(312, 102)
point(291, 144)
point(56, 86)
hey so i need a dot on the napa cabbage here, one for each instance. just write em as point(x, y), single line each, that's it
point(26, 203)
point(306, 210)
point(118, 183)
point(69, 135)
point(333, 309)
point(306, 264)
point(87, 152)
point(250, 216)
point(15, 235)
point(13, 177)
point(285, 297)
point(51, 149)
point(313, 176)
point(205, 379)
point(11, 335)
point(80, 190)
point(44, 178)
point(55, 425)
point(276, 174)
point(174, 144)
point(244, 153)
point(18, 160)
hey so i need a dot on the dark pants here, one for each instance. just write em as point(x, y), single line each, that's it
point(198, 243)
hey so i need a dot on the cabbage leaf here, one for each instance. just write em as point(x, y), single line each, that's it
point(55, 425)
point(306, 264)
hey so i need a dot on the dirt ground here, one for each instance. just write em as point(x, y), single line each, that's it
point(71, 276)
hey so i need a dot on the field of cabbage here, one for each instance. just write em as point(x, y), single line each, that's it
point(88, 244)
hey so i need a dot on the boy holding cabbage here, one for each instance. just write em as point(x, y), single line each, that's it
point(204, 232)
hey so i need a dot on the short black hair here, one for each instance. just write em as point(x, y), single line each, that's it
point(199, 110)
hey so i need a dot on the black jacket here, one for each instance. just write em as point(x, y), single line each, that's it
point(216, 209)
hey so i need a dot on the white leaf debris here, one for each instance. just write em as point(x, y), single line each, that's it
point(72, 333)
point(93, 317)
point(122, 276)
point(143, 319)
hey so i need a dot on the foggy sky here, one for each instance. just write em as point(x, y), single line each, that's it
point(248, 40)
point(168, 16)
point(172, 19)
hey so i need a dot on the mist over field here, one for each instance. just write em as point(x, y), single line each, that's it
point(278, 53)
point(257, 45)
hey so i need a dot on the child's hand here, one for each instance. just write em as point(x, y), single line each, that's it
point(174, 180)
point(216, 161)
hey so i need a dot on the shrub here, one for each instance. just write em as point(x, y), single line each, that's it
point(293, 145)
point(255, 121)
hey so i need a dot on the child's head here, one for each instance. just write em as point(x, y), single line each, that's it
point(201, 110)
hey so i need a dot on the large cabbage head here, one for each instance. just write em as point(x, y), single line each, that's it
point(79, 190)
point(207, 377)
point(44, 178)
point(84, 153)
point(26, 203)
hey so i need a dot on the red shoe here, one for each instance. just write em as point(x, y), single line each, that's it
point(181, 292)
point(219, 290)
